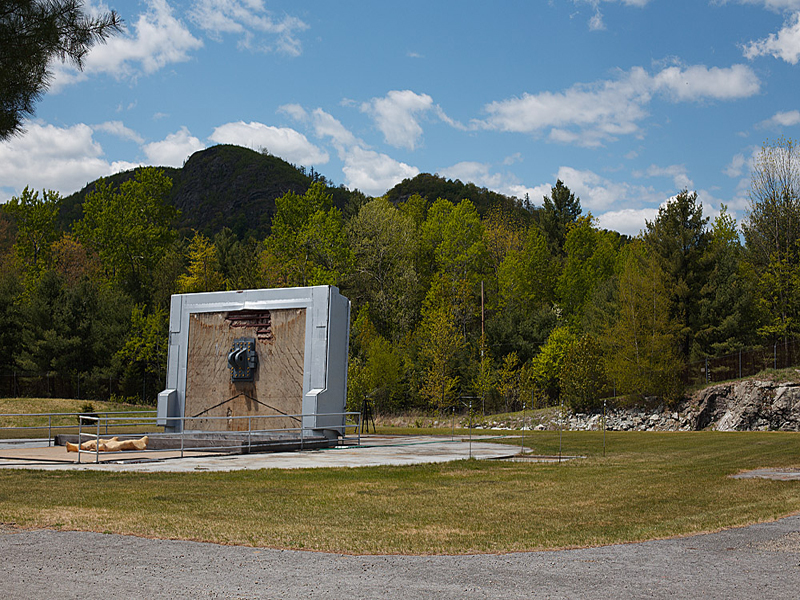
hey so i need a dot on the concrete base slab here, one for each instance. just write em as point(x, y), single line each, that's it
point(373, 451)
point(780, 474)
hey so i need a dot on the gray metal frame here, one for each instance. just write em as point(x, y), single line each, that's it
point(325, 356)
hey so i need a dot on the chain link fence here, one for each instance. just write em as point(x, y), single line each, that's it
point(25, 384)
point(745, 363)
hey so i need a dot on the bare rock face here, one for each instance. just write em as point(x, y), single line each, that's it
point(749, 405)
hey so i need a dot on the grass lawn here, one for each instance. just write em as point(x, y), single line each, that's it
point(649, 485)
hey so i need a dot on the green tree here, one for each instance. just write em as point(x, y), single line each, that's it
point(34, 33)
point(485, 377)
point(237, 260)
point(729, 313)
point(527, 278)
point(71, 329)
point(583, 378)
point(772, 233)
point(383, 244)
point(641, 345)
point(561, 209)
point(35, 218)
point(524, 316)
point(11, 318)
point(440, 341)
point(143, 357)
point(130, 228)
point(678, 239)
point(590, 260)
point(508, 380)
point(307, 245)
point(547, 365)
point(203, 275)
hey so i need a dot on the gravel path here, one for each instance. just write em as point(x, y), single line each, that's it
point(761, 561)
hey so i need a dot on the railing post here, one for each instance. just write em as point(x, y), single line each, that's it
point(97, 443)
point(80, 434)
point(49, 429)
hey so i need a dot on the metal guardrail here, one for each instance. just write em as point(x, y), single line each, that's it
point(132, 420)
point(101, 423)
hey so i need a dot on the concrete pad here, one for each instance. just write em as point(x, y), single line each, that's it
point(779, 474)
point(373, 451)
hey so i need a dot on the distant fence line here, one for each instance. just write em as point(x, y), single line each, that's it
point(26, 384)
point(745, 363)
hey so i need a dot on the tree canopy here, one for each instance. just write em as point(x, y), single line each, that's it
point(34, 33)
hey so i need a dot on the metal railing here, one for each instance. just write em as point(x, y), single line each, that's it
point(133, 419)
point(237, 440)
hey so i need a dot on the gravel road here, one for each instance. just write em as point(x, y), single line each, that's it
point(761, 561)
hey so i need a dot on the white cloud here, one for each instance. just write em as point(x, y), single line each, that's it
point(159, 39)
point(599, 194)
point(773, 5)
point(698, 82)
point(252, 22)
point(677, 172)
point(629, 221)
point(173, 150)
point(49, 157)
point(279, 141)
point(782, 119)
point(295, 111)
point(592, 114)
point(118, 129)
point(398, 114)
point(596, 20)
point(736, 167)
point(325, 125)
point(374, 173)
point(784, 45)
point(371, 172)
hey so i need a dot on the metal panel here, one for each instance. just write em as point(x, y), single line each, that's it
point(324, 362)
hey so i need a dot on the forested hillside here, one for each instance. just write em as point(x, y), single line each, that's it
point(456, 290)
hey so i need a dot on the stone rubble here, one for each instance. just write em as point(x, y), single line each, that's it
point(747, 405)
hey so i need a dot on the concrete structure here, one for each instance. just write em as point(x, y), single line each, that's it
point(239, 360)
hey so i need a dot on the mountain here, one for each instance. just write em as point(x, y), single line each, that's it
point(432, 187)
point(235, 187)
point(225, 186)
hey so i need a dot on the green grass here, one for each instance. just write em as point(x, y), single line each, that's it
point(648, 485)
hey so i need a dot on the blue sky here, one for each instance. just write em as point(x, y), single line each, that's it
point(626, 101)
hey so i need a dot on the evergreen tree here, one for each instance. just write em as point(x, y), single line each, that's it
point(561, 209)
point(33, 33)
point(678, 239)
